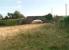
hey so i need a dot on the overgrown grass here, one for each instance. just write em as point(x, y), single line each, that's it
point(47, 37)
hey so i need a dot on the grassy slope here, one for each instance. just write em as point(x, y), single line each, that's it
point(47, 37)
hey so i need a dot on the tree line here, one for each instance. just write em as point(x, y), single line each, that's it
point(15, 15)
point(18, 18)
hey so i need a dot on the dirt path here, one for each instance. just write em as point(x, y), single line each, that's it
point(13, 30)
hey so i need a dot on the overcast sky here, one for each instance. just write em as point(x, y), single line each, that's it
point(34, 7)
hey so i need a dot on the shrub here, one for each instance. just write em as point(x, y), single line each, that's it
point(49, 17)
point(66, 21)
point(63, 24)
point(10, 22)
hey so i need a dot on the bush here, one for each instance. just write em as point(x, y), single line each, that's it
point(7, 22)
point(49, 17)
point(10, 22)
point(63, 24)
point(66, 21)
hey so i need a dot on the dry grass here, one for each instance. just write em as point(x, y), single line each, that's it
point(13, 30)
point(34, 37)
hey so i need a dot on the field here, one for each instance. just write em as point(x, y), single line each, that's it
point(14, 30)
point(33, 37)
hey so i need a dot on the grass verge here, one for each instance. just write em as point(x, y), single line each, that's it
point(47, 37)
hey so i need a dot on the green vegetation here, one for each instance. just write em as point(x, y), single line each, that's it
point(11, 22)
point(63, 23)
point(15, 18)
point(47, 37)
point(15, 15)
point(18, 18)
point(49, 17)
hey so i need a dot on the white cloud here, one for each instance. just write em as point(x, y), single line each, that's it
point(19, 1)
point(19, 4)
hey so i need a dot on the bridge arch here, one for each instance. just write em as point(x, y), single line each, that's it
point(37, 21)
point(30, 19)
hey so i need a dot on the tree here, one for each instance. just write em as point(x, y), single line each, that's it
point(17, 14)
point(49, 17)
point(10, 15)
point(6, 17)
point(1, 17)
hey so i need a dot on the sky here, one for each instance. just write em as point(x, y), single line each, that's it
point(34, 7)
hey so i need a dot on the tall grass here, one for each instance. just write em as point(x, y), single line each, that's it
point(63, 24)
point(47, 37)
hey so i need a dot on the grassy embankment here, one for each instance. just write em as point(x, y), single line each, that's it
point(44, 37)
